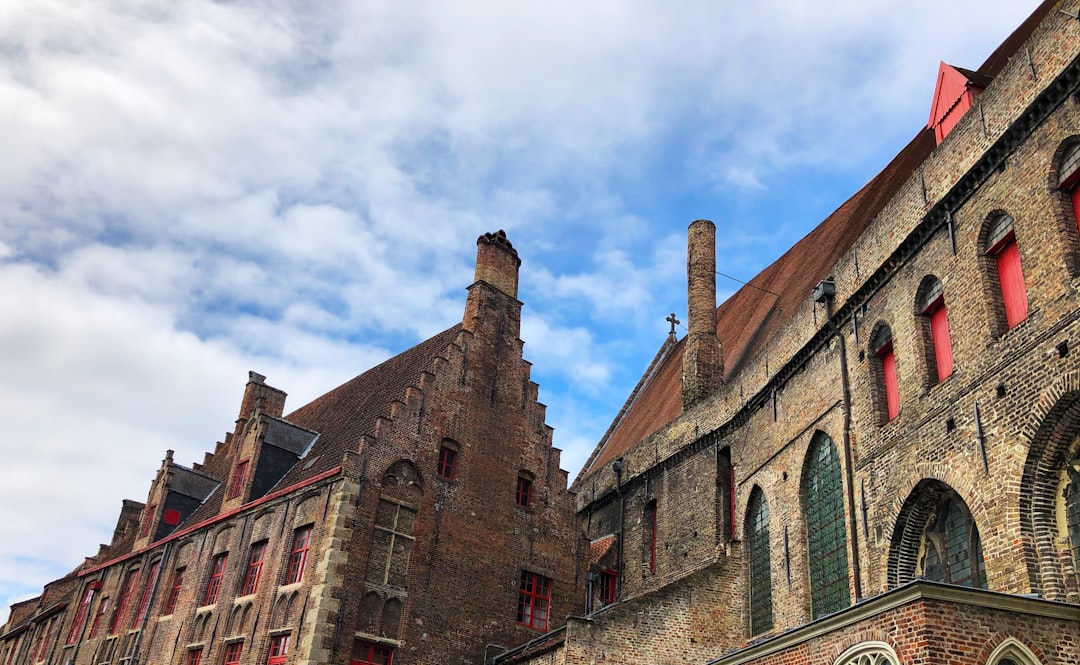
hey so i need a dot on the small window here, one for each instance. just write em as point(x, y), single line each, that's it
point(1069, 177)
point(254, 569)
point(447, 461)
point(524, 490)
point(1002, 248)
point(534, 598)
point(279, 650)
point(148, 520)
point(881, 344)
point(370, 653)
point(213, 586)
point(238, 479)
point(931, 306)
point(298, 557)
point(173, 591)
point(608, 580)
point(144, 600)
point(194, 657)
point(232, 653)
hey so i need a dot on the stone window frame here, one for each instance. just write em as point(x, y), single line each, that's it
point(872, 652)
point(826, 527)
point(1012, 651)
point(932, 318)
point(759, 563)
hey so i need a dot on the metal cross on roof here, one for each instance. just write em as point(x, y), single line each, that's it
point(674, 322)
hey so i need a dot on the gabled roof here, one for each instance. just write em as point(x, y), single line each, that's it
point(952, 83)
point(752, 316)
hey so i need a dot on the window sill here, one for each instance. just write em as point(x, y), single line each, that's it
point(291, 586)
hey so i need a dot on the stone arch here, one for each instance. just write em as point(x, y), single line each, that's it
point(233, 623)
point(931, 322)
point(279, 617)
point(868, 653)
point(998, 226)
point(1053, 430)
point(402, 480)
point(1012, 650)
point(390, 625)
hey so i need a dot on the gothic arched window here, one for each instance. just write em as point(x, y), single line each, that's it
point(953, 550)
point(826, 538)
point(757, 533)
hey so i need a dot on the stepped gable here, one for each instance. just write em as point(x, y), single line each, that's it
point(349, 411)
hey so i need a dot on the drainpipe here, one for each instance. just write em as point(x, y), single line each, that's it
point(825, 292)
point(618, 468)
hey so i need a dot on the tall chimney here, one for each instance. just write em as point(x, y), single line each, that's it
point(703, 359)
point(497, 266)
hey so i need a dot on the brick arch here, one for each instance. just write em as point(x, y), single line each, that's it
point(1003, 645)
point(402, 480)
point(1051, 430)
point(1065, 219)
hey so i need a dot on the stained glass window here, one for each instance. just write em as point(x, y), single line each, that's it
point(760, 569)
point(825, 534)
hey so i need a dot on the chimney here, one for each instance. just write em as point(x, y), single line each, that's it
point(257, 394)
point(497, 266)
point(703, 359)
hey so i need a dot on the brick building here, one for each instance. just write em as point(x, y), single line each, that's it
point(870, 453)
point(347, 530)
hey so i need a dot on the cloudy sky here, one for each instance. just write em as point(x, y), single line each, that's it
point(191, 190)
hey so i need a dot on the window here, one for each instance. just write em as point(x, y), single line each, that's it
point(194, 657)
point(757, 531)
point(279, 650)
point(173, 591)
point(45, 637)
point(298, 558)
point(882, 345)
point(1069, 177)
point(171, 517)
point(447, 461)
point(148, 520)
point(254, 567)
point(123, 602)
point(369, 653)
point(1001, 246)
point(608, 579)
point(103, 607)
point(147, 591)
point(238, 479)
point(826, 538)
point(648, 541)
point(232, 653)
point(391, 544)
point(931, 306)
point(82, 612)
point(868, 653)
point(952, 549)
point(534, 597)
point(213, 586)
point(524, 490)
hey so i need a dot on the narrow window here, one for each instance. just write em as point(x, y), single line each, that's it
point(279, 650)
point(232, 653)
point(826, 538)
point(103, 607)
point(757, 530)
point(447, 462)
point(213, 586)
point(144, 598)
point(194, 657)
point(608, 579)
point(534, 596)
point(1069, 177)
point(648, 528)
point(81, 614)
point(369, 653)
point(1001, 246)
point(123, 602)
point(298, 557)
point(254, 568)
point(148, 520)
point(931, 305)
point(45, 637)
point(524, 490)
point(238, 479)
point(175, 585)
point(882, 346)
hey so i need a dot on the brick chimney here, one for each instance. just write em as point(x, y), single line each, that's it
point(703, 359)
point(497, 266)
point(258, 394)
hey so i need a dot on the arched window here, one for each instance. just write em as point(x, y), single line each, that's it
point(1002, 248)
point(1012, 652)
point(826, 538)
point(1069, 177)
point(1071, 496)
point(881, 344)
point(757, 533)
point(868, 653)
point(930, 305)
point(951, 545)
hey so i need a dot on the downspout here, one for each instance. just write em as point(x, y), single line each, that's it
point(618, 468)
point(825, 292)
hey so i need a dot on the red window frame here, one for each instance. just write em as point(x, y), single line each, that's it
point(939, 336)
point(45, 636)
point(298, 557)
point(254, 568)
point(1074, 195)
point(534, 601)
point(279, 650)
point(213, 585)
point(447, 462)
point(239, 478)
point(233, 650)
point(194, 656)
point(608, 580)
point(1006, 255)
point(103, 607)
point(888, 375)
point(370, 653)
point(147, 591)
point(148, 520)
point(171, 517)
point(524, 492)
point(175, 585)
point(123, 602)
point(82, 612)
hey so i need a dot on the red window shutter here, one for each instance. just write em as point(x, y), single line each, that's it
point(1076, 204)
point(171, 517)
point(892, 390)
point(939, 331)
point(1013, 290)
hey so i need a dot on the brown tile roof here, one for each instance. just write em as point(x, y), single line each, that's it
point(599, 547)
point(751, 316)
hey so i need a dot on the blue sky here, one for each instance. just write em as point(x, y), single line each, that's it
point(192, 190)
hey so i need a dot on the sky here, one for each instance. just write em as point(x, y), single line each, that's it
point(192, 190)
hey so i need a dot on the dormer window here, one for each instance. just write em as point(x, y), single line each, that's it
point(954, 94)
